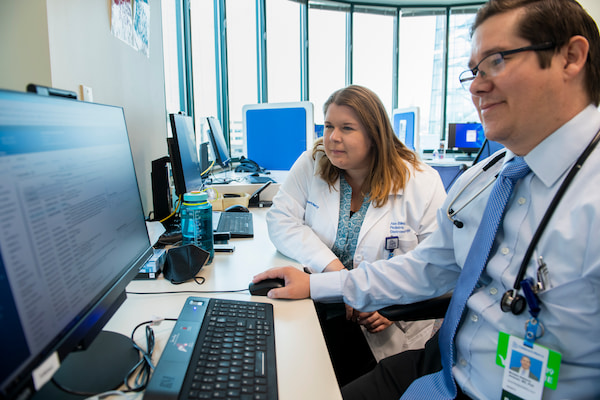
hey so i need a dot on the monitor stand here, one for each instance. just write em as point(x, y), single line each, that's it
point(466, 157)
point(101, 367)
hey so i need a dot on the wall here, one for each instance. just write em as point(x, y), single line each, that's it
point(24, 44)
point(592, 7)
point(69, 43)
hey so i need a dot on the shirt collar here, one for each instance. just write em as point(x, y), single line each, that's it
point(556, 154)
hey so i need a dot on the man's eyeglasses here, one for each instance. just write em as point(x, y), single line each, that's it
point(494, 63)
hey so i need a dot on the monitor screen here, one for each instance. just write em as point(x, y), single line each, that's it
point(217, 141)
point(277, 133)
point(73, 233)
point(405, 122)
point(185, 163)
point(465, 137)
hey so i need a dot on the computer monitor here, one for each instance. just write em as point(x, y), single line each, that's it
point(72, 237)
point(183, 152)
point(405, 122)
point(465, 137)
point(277, 133)
point(217, 141)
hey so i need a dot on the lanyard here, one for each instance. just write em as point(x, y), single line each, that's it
point(552, 207)
point(533, 328)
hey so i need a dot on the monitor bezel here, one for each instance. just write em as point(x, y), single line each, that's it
point(183, 183)
point(217, 141)
point(405, 113)
point(266, 159)
point(80, 332)
point(451, 139)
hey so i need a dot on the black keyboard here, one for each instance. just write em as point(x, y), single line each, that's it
point(239, 224)
point(219, 349)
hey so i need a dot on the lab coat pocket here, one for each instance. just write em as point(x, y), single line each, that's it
point(406, 242)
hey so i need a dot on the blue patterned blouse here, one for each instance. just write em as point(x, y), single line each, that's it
point(349, 225)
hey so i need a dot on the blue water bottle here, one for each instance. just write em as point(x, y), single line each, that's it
point(196, 222)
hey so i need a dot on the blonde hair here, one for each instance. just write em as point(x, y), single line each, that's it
point(390, 158)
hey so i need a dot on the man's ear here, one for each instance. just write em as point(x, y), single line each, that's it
point(575, 54)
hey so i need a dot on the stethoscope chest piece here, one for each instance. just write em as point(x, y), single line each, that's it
point(513, 302)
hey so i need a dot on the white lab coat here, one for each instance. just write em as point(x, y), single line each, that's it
point(303, 225)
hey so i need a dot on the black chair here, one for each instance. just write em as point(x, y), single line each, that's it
point(427, 309)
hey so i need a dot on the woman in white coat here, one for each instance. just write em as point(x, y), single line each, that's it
point(360, 194)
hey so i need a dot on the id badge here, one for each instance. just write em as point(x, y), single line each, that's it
point(526, 369)
point(391, 244)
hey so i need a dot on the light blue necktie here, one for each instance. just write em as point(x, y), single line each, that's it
point(441, 385)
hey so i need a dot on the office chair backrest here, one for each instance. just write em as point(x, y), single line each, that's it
point(488, 148)
point(449, 173)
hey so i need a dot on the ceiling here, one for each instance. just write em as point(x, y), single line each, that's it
point(419, 3)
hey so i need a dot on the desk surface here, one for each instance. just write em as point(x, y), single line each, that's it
point(304, 369)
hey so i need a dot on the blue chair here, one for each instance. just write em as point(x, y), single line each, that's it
point(488, 148)
point(449, 173)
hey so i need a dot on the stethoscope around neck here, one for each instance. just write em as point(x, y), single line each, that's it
point(511, 300)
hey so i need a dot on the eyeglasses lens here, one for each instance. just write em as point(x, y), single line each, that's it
point(490, 66)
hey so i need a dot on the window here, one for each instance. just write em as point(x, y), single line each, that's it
point(227, 64)
point(326, 53)
point(420, 78)
point(241, 64)
point(202, 29)
point(373, 51)
point(172, 75)
point(459, 106)
point(283, 51)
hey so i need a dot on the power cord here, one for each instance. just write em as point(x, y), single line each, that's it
point(192, 291)
point(145, 366)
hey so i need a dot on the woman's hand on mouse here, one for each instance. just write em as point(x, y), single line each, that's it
point(297, 283)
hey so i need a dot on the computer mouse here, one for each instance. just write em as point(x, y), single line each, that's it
point(237, 208)
point(262, 288)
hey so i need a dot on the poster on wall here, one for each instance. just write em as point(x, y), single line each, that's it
point(130, 22)
point(121, 20)
point(141, 26)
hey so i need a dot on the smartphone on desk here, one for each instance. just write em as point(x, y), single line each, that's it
point(224, 247)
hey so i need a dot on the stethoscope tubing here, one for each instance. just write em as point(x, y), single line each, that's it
point(552, 207)
point(450, 213)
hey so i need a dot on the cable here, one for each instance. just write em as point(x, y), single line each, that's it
point(192, 291)
point(174, 211)
point(207, 170)
point(107, 394)
point(144, 367)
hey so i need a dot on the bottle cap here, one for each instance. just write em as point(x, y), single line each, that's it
point(195, 197)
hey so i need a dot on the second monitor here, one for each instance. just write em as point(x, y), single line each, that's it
point(277, 133)
point(465, 137)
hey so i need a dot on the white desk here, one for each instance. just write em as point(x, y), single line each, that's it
point(304, 369)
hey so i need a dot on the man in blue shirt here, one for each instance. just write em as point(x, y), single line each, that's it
point(534, 77)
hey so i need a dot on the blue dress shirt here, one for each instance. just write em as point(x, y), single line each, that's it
point(570, 309)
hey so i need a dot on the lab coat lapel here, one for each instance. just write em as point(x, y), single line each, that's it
point(373, 215)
